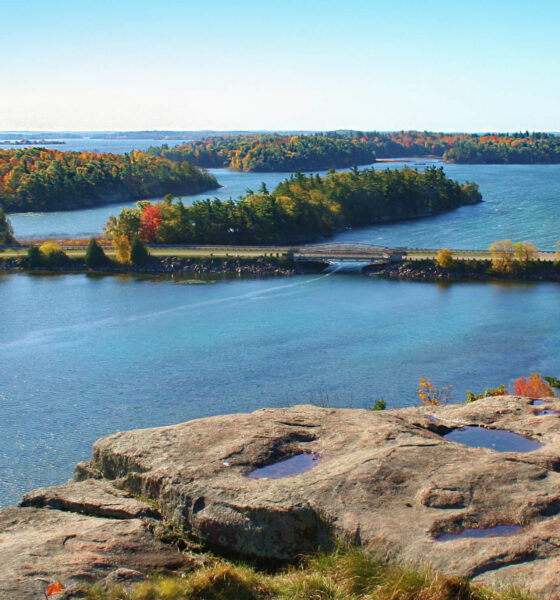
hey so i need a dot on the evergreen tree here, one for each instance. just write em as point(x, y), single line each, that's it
point(139, 254)
point(6, 231)
point(34, 256)
point(95, 256)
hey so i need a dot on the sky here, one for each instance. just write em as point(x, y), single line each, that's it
point(280, 64)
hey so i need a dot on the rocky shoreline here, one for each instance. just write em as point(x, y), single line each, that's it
point(388, 481)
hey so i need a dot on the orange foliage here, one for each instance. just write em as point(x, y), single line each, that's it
point(54, 590)
point(532, 387)
point(150, 220)
point(431, 395)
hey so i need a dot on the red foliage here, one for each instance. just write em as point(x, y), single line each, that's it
point(150, 220)
point(532, 387)
point(54, 590)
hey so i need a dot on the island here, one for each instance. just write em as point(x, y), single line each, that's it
point(42, 179)
point(301, 208)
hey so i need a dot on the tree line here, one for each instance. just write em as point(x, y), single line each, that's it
point(340, 149)
point(40, 179)
point(300, 208)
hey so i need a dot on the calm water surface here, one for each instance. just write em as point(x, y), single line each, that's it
point(83, 357)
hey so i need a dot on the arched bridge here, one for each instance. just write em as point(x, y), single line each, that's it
point(336, 253)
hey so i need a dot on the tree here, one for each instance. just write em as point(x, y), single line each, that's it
point(150, 220)
point(431, 395)
point(502, 253)
point(532, 387)
point(139, 254)
point(52, 254)
point(557, 253)
point(34, 256)
point(444, 258)
point(122, 249)
point(95, 256)
point(6, 231)
point(526, 252)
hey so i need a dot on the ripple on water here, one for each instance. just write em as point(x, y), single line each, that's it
point(495, 439)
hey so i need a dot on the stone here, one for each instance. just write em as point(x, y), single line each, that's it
point(385, 479)
point(40, 546)
point(90, 497)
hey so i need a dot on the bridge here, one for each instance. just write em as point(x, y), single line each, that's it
point(337, 253)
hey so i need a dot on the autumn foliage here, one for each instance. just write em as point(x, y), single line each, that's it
point(150, 220)
point(54, 589)
point(431, 395)
point(532, 387)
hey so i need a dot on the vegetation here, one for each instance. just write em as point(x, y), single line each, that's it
point(432, 395)
point(121, 244)
point(95, 256)
point(345, 574)
point(301, 207)
point(275, 152)
point(508, 257)
point(139, 254)
point(52, 254)
point(6, 231)
point(379, 404)
point(533, 386)
point(444, 258)
point(338, 149)
point(33, 179)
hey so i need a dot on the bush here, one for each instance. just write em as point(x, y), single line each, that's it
point(444, 258)
point(52, 254)
point(34, 256)
point(139, 254)
point(379, 404)
point(95, 256)
point(121, 245)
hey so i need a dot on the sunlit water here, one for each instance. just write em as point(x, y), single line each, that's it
point(83, 357)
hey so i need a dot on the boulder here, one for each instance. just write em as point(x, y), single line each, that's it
point(383, 479)
point(41, 546)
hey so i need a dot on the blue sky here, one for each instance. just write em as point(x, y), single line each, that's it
point(285, 64)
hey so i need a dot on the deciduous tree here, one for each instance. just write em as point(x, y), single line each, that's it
point(121, 245)
point(444, 258)
point(532, 387)
point(502, 253)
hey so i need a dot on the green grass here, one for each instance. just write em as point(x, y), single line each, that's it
point(345, 574)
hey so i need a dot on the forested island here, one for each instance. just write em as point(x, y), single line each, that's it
point(340, 149)
point(41, 179)
point(300, 208)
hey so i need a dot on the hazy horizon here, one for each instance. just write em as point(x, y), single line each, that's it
point(320, 66)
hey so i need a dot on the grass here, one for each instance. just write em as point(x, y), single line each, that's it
point(344, 574)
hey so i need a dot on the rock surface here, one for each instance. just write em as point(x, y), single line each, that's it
point(40, 546)
point(386, 480)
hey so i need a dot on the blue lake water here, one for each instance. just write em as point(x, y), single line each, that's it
point(521, 202)
point(85, 356)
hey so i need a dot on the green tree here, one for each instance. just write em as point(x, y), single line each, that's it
point(52, 254)
point(139, 254)
point(6, 231)
point(95, 256)
point(34, 256)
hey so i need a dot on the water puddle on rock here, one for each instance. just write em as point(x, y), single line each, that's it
point(547, 411)
point(498, 531)
point(300, 463)
point(538, 402)
point(495, 439)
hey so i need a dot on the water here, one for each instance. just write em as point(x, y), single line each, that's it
point(86, 356)
point(498, 531)
point(295, 465)
point(521, 202)
point(495, 439)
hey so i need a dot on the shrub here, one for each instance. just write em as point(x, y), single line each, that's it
point(95, 256)
point(379, 404)
point(532, 387)
point(499, 391)
point(431, 395)
point(444, 258)
point(139, 254)
point(34, 256)
point(122, 249)
point(52, 254)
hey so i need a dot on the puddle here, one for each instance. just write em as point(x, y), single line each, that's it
point(498, 531)
point(495, 439)
point(300, 463)
point(538, 402)
point(547, 411)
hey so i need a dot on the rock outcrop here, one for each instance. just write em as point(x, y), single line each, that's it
point(386, 480)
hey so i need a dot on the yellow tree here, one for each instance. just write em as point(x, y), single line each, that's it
point(444, 258)
point(121, 244)
point(525, 252)
point(502, 253)
point(557, 253)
